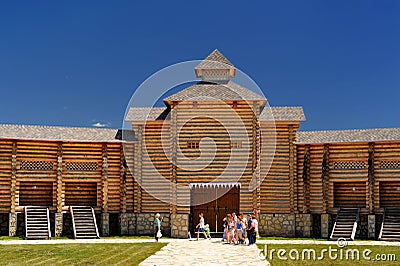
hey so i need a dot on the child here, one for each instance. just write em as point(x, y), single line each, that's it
point(208, 233)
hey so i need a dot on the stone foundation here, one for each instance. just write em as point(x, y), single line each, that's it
point(304, 225)
point(371, 226)
point(277, 225)
point(58, 224)
point(105, 224)
point(179, 225)
point(145, 224)
point(12, 224)
point(127, 222)
point(325, 225)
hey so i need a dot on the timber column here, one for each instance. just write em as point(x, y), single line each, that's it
point(59, 214)
point(105, 217)
point(12, 226)
point(371, 196)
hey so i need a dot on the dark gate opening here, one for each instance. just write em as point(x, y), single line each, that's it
point(35, 193)
point(389, 194)
point(81, 194)
point(214, 203)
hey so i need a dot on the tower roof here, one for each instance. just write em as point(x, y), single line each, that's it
point(215, 64)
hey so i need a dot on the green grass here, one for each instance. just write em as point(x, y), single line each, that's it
point(77, 254)
point(326, 260)
point(11, 238)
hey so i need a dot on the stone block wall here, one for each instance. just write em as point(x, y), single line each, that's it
point(145, 224)
point(303, 225)
point(4, 218)
point(179, 225)
point(128, 223)
point(277, 225)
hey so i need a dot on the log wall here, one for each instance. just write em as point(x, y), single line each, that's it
point(279, 187)
point(37, 168)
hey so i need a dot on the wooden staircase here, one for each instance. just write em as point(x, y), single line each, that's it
point(346, 224)
point(37, 222)
point(390, 229)
point(84, 222)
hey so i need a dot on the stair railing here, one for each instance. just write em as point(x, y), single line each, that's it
point(334, 225)
point(48, 223)
point(73, 221)
point(95, 223)
point(353, 232)
point(26, 222)
point(383, 222)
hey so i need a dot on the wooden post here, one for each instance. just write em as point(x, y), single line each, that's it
point(256, 157)
point(291, 170)
point(306, 179)
point(325, 179)
point(59, 179)
point(105, 179)
point(138, 167)
point(123, 172)
point(14, 177)
point(371, 178)
point(174, 147)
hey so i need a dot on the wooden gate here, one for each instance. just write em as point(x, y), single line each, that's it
point(350, 194)
point(214, 203)
point(35, 193)
point(81, 194)
point(389, 194)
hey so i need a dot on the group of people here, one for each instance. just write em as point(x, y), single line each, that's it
point(238, 228)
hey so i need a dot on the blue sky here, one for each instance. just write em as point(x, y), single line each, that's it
point(77, 63)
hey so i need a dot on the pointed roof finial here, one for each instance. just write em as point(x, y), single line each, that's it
point(215, 64)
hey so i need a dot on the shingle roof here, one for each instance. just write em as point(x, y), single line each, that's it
point(147, 113)
point(207, 91)
point(58, 133)
point(283, 113)
point(356, 135)
point(215, 60)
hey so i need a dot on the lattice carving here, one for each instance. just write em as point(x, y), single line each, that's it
point(215, 75)
point(36, 165)
point(392, 164)
point(81, 166)
point(350, 165)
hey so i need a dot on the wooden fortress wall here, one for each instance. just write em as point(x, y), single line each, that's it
point(75, 172)
point(363, 175)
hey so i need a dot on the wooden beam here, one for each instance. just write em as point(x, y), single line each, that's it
point(59, 179)
point(174, 147)
point(371, 178)
point(138, 167)
point(14, 177)
point(325, 179)
point(291, 169)
point(104, 175)
point(123, 174)
point(306, 179)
